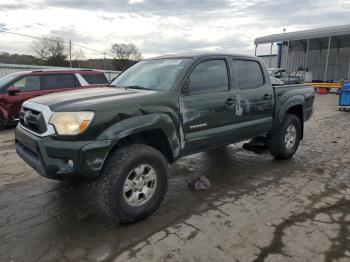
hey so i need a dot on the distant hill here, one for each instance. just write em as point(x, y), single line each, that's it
point(106, 64)
point(18, 59)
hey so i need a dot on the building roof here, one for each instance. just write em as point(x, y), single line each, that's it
point(318, 38)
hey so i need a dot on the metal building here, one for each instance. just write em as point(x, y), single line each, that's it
point(323, 51)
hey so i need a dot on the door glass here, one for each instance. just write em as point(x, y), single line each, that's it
point(209, 76)
point(248, 74)
point(58, 81)
point(95, 78)
point(28, 83)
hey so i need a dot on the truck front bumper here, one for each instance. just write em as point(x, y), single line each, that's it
point(62, 160)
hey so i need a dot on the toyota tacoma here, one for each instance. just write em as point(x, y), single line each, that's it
point(125, 136)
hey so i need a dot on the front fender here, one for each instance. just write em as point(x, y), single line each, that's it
point(4, 113)
point(142, 123)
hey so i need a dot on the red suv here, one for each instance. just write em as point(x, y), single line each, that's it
point(21, 86)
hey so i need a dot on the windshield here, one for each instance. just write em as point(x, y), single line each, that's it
point(8, 78)
point(151, 74)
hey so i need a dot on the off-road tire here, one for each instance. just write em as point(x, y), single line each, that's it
point(276, 141)
point(114, 173)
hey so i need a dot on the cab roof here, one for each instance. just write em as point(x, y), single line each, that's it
point(196, 55)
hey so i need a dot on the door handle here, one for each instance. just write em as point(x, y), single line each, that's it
point(230, 101)
point(267, 97)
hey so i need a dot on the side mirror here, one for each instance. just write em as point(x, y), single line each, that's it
point(13, 90)
point(186, 87)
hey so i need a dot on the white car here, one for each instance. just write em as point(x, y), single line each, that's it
point(276, 81)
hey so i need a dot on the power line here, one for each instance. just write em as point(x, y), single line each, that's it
point(31, 36)
point(46, 38)
point(102, 53)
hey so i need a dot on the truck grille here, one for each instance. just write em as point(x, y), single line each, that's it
point(32, 120)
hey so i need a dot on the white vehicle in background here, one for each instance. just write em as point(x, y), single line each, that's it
point(281, 74)
point(275, 81)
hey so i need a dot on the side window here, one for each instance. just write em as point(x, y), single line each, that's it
point(95, 78)
point(248, 74)
point(58, 81)
point(209, 76)
point(28, 83)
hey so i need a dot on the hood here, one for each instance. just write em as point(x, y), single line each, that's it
point(87, 98)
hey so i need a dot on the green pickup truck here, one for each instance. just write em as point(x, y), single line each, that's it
point(125, 136)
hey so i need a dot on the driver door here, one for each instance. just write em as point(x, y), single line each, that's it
point(207, 104)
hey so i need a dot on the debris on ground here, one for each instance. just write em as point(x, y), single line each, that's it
point(256, 145)
point(199, 183)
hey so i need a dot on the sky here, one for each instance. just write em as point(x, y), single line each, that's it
point(159, 27)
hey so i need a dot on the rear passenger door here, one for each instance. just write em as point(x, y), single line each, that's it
point(206, 104)
point(59, 82)
point(254, 98)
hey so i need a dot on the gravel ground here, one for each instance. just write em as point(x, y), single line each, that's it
point(258, 209)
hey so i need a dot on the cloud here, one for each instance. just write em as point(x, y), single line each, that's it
point(107, 18)
point(169, 26)
point(3, 27)
point(71, 33)
point(147, 7)
point(12, 7)
point(164, 45)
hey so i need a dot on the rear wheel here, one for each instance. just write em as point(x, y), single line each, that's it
point(133, 183)
point(285, 141)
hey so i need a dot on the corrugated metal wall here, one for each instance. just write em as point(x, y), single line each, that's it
point(316, 63)
point(6, 69)
point(266, 59)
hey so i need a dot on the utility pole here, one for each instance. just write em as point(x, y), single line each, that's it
point(104, 60)
point(270, 55)
point(70, 52)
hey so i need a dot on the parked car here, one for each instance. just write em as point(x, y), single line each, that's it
point(21, 86)
point(124, 137)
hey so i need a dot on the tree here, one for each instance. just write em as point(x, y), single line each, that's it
point(125, 55)
point(51, 51)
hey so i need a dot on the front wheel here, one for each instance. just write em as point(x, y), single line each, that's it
point(134, 182)
point(2, 122)
point(285, 141)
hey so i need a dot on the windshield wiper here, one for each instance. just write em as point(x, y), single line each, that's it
point(136, 87)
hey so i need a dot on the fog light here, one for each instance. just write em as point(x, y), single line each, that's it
point(70, 163)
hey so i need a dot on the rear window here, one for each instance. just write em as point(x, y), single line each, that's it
point(248, 74)
point(94, 79)
point(58, 81)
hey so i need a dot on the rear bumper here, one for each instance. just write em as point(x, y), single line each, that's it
point(49, 157)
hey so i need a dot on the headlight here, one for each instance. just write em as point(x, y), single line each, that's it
point(71, 123)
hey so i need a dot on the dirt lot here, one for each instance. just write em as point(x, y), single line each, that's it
point(258, 209)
